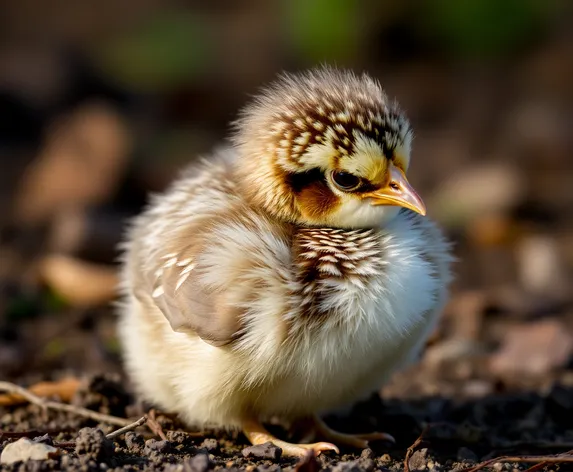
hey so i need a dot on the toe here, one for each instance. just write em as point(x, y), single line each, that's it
point(324, 446)
point(301, 450)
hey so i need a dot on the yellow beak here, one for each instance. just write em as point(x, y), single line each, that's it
point(398, 192)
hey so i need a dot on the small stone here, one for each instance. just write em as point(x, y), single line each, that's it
point(198, 463)
point(152, 445)
point(466, 455)
point(263, 451)
point(367, 465)
point(385, 458)
point(93, 443)
point(347, 466)
point(210, 444)
point(419, 460)
point(134, 441)
point(367, 453)
point(177, 437)
point(24, 449)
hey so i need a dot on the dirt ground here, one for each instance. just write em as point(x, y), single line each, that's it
point(455, 434)
point(96, 112)
point(470, 399)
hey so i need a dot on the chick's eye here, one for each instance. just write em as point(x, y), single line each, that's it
point(345, 181)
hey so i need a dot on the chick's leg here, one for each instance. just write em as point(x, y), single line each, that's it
point(354, 440)
point(257, 434)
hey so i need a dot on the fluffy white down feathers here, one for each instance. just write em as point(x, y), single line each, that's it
point(230, 312)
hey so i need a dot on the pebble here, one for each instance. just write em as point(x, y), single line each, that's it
point(153, 445)
point(367, 465)
point(92, 443)
point(348, 466)
point(198, 463)
point(24, 449)
point(419, 460)
point(210, 444)
point(367, 453)
point(385, 458)
point(263, 451)
point(134, 441)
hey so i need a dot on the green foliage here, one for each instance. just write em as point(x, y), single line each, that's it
point(28, 305)
point(483, 27)
point(166, 50)
point(323, 30)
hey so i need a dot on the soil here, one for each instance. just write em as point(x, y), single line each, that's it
point(82, 145)
point(455, 434)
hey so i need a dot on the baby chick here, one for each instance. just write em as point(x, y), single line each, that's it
point(292, 273)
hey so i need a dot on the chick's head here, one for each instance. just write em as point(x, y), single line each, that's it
point(326, 148)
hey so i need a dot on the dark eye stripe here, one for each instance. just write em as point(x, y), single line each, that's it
point(300, 180)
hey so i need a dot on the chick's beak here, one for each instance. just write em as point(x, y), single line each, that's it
point(398, 192)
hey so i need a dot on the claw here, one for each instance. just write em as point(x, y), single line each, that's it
point(360, 441)
point(257, 434)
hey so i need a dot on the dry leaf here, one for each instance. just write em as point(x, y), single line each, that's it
point(80, 283)
point(81, 163)
point(65, 389)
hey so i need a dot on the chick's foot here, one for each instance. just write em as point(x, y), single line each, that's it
point(360, 441)
point(257, 434)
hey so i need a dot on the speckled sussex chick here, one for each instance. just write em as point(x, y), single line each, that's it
point(290, 274)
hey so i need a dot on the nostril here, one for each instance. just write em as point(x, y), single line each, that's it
point(394, 186)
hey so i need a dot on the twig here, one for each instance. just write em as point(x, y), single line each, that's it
point(66, 444)
point(154, 425)
point(546, 460)
point(536, 467)
point(413, 447)
point(64, 388)
point(544, 464)
point(125, 429)
point(9, 387)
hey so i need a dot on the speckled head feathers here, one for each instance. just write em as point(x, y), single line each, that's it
point(304, 126)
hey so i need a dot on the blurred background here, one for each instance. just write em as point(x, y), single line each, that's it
point(103, 102)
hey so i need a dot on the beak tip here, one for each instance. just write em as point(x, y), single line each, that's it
point(401, 194)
